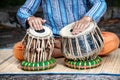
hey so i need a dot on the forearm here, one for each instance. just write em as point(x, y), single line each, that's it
point(27, 10)
point(97, 11)
point(22, 19)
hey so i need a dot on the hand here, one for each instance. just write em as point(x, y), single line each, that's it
point(81, 25)
point(35, 22)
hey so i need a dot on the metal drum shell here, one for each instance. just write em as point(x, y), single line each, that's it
point(74, 52)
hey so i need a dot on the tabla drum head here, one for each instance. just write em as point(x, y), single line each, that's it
point(40, 34)
point(67, 30)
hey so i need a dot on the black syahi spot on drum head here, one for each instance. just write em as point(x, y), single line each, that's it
point(40, 31)
point(71, 30)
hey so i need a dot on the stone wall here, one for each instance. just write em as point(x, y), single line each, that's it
point(111, 13)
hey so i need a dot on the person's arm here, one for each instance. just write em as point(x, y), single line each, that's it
point(94, 14)
point(27, 10)
point(98, 9)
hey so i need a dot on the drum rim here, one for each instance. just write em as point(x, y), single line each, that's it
point(44, 35)
point(68, 27)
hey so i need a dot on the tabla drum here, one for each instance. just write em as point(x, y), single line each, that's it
point(81, 50)
point(38, 48)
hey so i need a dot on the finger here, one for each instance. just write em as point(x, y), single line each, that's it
point(81, 28)
point(75, 26)
point(43, 21)
point(35, 23)
point(85, 25)
point(40, 24)
point(76, 29)
point(30, 24)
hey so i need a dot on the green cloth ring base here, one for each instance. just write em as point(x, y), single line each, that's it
point(38, 66)
point(83, 64)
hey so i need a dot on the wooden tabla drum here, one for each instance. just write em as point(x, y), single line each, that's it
point(81, 50)
point(38, 48)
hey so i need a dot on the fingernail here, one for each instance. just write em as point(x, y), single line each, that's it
point(44, 20)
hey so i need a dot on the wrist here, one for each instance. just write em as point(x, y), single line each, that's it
point(87, 18)
point(29, 18)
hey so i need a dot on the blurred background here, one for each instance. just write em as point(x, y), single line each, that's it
point(12, 32)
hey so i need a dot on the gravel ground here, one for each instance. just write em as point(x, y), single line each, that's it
point(59, 77)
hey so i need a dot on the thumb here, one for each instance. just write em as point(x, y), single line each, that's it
point(43, 21)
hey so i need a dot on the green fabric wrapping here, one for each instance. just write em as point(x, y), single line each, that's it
point(83, 64)
point(36, 66)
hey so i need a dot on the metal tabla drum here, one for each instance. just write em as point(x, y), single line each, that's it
point(81, 50)
point(38, 48)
